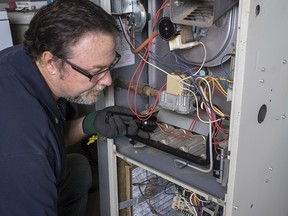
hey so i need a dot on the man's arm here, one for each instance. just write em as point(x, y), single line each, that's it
point(99, 122)
point(73, 131)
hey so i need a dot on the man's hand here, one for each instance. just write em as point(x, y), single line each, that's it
point(110, 125)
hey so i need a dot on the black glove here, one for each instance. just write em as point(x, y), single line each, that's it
point(112, 122)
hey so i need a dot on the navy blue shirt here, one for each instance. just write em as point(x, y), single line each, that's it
point(32, 157)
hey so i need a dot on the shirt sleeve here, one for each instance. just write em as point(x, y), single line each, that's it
point(27, 186)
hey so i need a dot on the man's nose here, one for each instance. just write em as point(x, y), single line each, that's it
point(106, 79)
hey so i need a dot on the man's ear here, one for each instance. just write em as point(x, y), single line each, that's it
point(48, 62)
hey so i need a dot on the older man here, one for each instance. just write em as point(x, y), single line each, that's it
point(68, 53)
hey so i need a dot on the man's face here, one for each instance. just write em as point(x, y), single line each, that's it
point(95, 54)
point(88, 97)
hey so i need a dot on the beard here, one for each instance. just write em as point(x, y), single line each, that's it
point(87, 97)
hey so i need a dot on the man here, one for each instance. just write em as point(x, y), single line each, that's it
point(68, 53)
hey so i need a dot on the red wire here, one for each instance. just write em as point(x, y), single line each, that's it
point(140, 74)
point(158, 12)
point(150, 113)
point(212, 117)
point(136, 85)
point(191, 127)
point(145, 56)
point(130, 83)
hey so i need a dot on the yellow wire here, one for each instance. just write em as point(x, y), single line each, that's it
point(221, 88)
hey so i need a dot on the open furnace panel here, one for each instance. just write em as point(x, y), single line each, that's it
point(201, 69)
point(187, 66)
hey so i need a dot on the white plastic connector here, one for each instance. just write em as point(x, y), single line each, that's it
point(178, 204)
point(176, 43)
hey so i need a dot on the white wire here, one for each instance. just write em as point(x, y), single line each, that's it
point(209, 95)
point(184, 163)
point(204, 60)
point(210, 129)
point(192, 210)
point(209, 98)
point(203, 201)
point(153, 65)
point(197, 109)
point(182, 80)
point(209, 122)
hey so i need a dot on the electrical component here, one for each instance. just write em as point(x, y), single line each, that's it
point(176, 43)
point(178, 103)
point(135, 11)
point(199, 13)
point(137, 19)
point(167, 30)
point(174, 84)
point(179, 204)
point(222, 33)
point(179, 36)
point(175, 98)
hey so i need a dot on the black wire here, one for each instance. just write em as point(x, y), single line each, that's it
point(145, 182)
point(151, 58)
point(153, 210)
point(147, 200)
point(166, 186)
point(221, 63)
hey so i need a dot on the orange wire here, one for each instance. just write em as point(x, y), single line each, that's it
point(141, 72)
point(149, 39)
point(130, 84)
point(145, 56)
point(158, 12)
point(139, 76)
point(148, 43)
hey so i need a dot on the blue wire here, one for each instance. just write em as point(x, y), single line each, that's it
point(157, 57)
point(179, 65)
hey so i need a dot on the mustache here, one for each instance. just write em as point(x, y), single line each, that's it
point(83, 98)
point(97, 89)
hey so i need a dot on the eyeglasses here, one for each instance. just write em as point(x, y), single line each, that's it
point(91, 76)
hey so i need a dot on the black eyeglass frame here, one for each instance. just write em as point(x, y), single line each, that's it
point(86, 73)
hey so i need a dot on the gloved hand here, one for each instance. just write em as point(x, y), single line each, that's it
point(112, 126)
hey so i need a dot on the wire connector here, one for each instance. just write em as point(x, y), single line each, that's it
point(176, 43)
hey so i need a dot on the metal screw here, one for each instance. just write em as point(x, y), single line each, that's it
point(263, 69)
point(277, 118)
point(270, 168)
point(284, 61)
point(283, 116)
point(235, 207)
point(261, 80)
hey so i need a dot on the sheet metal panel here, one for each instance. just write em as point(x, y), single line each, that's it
point(258, 174)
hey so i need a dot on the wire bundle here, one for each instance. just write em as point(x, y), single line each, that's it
point(201, 87)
